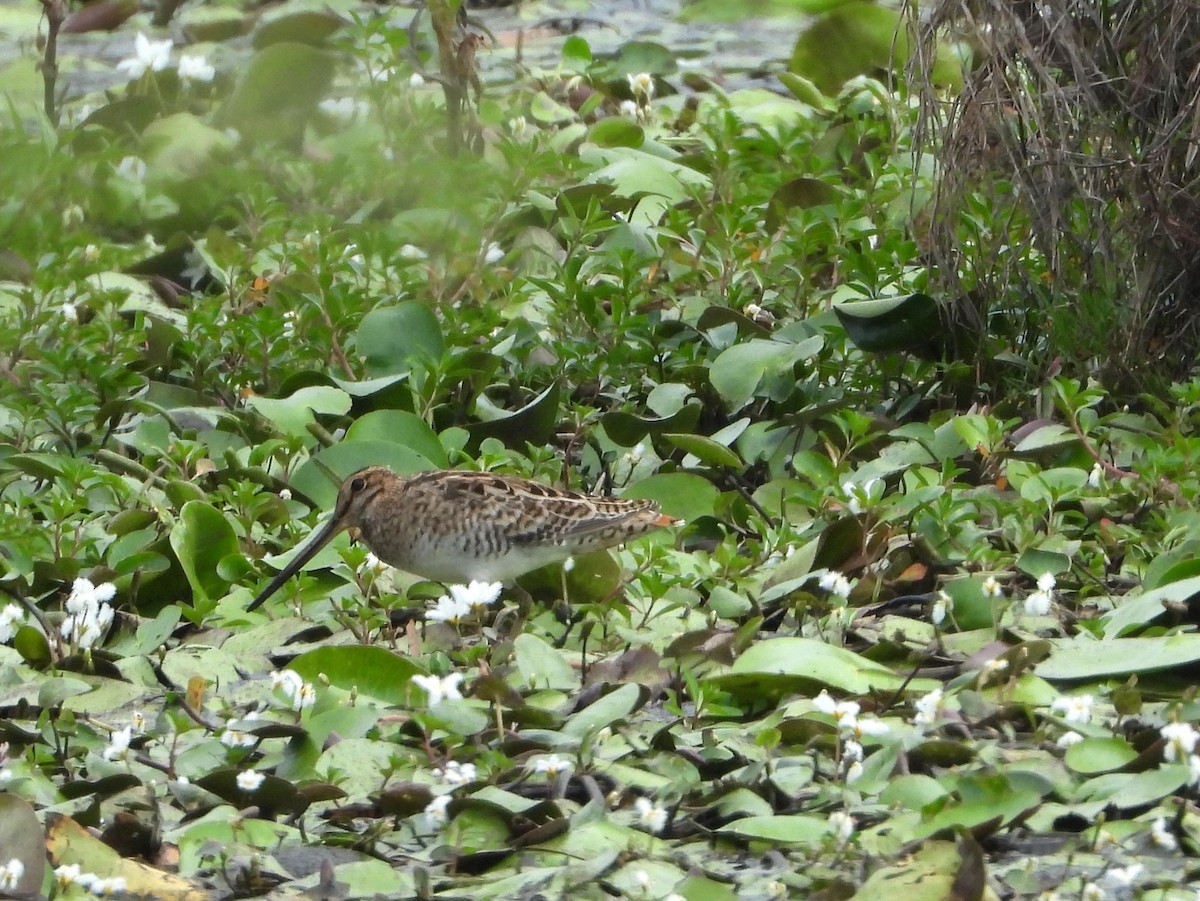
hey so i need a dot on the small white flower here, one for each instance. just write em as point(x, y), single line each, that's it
point(436, 812)
point(1046, 582)
point(286, 680)
point(941, 606)
point(147, 54)
point(1096, 476)
point(928, 708)
point(867, 727)
point(91, 253)
point(456, 773)
point(1181, 740)
point(67, 874)
point(448, 610)
point(1161, 836)
point(851, 750)
point(412, 252)
point(236, 738)
point(106, 888)
point(552, 765)
point(1092, 892)
point(118, 747)
point(372, 566)
point(1074, 708)
point(416, 80)
point(854, 772)
point(642, 86)
point(1069, 738)
point(11, 873)
point(72, 215)
point(69, 312)
point(517, 126)
point(476, 594)
point(628, 108)
point(132, 168)
point(195, 68)
point(835, 583)
point(568, 564)
point(651, 816)
point(1037, 603)
point(1122, 877)
point(285, 494)
point(751, 310)
point(305, 697)
point(440, 689)
point(844, 713)
point(250, 780)
point(493, 253)
point(843, 825)
point(992, 587)
point(1194, 769)
point(11, 618)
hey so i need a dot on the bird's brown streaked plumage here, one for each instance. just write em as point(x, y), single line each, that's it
point(455, 526)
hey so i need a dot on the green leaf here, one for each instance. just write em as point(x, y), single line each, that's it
point(399, 427)
point(1086, 658)
point(200, 539)
point(278, 93)
point(785, 829)
point(616, 131)
point(738, 371)
point(627, 429)
point(542, 666)
point(534, 423)
point(400, 338)
point(292, 415)
point(683, 495)
point(576, 54)
point(1099, 755)
point(706, 450)
point(908, 324)
point(371, 671)
point(814, 662)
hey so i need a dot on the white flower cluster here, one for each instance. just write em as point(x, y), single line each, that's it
point(463, 600)
point(156, 56)
point(72, 874)
point(651, 816)
point(299, 694)
point(852, 728)
point(11, 873)
point(1038, 602)
point(456, 773)
point(929, 709)
point(835, 583)
point(89, 613)
point(440, 688)
point(11, 618)
point(551, 766)
point(1181, 745)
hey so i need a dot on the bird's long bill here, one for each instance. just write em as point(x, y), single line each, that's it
point(317, 541)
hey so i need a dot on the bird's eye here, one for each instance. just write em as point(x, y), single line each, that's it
point(358, 484)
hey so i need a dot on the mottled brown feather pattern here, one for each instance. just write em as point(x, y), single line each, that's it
point(454, 526)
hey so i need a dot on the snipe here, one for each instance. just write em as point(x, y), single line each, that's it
point(454, 526)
